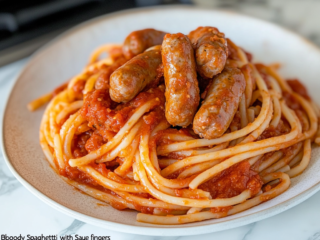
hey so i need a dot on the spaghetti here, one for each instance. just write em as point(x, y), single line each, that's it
point(128, 155)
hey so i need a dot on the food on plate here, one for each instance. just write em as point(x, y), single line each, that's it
point(211, 50)
point(138, 41)
point(134, 76)
point(221, 104)
point(181, 128)
point(182, 91)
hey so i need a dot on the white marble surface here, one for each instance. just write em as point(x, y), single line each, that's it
point(22, 213)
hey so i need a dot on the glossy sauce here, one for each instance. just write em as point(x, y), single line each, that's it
point(97, 109)
point(282, 128)
point(292, 102)
point(299, 88)
point(78, 88)
point(221, 210)
point(103, 79)
point(233, 181)
point(59, 89)
point(106, 118)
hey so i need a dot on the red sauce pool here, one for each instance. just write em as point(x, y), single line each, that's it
point(233, 181)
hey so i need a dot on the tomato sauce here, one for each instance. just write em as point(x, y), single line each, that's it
point(81, 146)
point(291, 101)
point(236, 121)
point(290, 150)
point(102, 81)
point(105, 118)
point(233, 181)
point(282, 128)
point(204, 85)
point(248, 55)
point(159, 78)
point(79, 150)
point(299, 88)
point(101, 168)
point(104, 76)
point(175, 174)
point(99, 112)
point(159, 140)
point(116, 53)
point(96, 110)
point(247, 72)
point(78, 146)
point(232, 51)
point(260, 67)
point(143, 209)
point(153, 118)
point(267, 188)
point(301, 114)
point(193, 194)
point(78, 88)
point(294, 104)
point(59, 89)
point(94, 142)
point(115, 204)
point(73, 173)
point(221, 210)
point(256, 165)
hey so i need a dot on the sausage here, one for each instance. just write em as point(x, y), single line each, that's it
point(210, 49)
point(103, 79)
point(138, 41)
point(182, 91)
point(132, 77)
point(220, 105)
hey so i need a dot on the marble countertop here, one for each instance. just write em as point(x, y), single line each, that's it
point(23, 213)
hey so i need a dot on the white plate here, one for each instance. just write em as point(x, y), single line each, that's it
point(67, 55)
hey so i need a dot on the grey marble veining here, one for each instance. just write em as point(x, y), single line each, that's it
point(7, 183)
point(251, 227)
point(315, 236)
point(72, 229)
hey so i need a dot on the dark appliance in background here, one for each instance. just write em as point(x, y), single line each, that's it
point(25, 25)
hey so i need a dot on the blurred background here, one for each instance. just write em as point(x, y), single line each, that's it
point(25, 25)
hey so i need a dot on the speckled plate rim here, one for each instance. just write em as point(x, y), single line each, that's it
point(146, 230)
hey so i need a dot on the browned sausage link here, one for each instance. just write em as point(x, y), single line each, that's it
point(138, 41)
point(211, 50)
point(220, 104)
point(182, 91)
point(132, 77)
